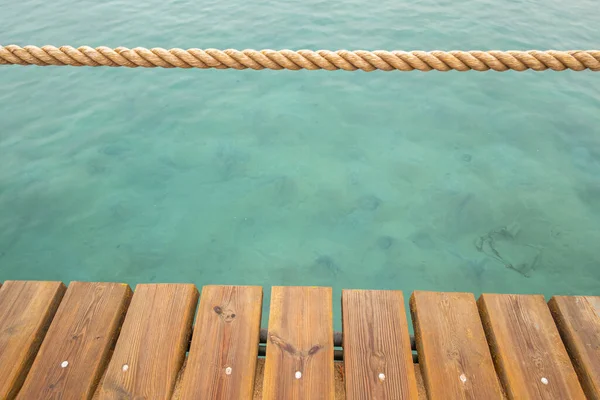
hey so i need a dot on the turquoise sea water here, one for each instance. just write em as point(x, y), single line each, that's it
point(433, 181)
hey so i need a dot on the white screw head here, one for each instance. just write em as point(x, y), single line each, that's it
point(228, 371)
point(381, 376)
point(463, 378)
point(298, 374)
point(64, 364)
point(544, 381)
point(125, 367)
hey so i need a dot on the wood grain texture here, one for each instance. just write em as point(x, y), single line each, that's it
point(26, 310)
point(340, 391)
point(300, 344)
point(453, 352)
point(152, 344)
point(222, 358)
point(527, 349)
point(579, 327)
point(376, 341)
point(595, 302)
point(82, 333)
point(420, 383)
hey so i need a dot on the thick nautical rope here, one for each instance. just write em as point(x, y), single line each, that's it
point(577, 60)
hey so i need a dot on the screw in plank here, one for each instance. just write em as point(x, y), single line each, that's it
point(64, 364)
point(298, 374)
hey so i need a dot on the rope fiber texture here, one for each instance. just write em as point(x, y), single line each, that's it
point(577, 60)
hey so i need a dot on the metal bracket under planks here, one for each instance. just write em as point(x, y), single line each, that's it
point(102, 341)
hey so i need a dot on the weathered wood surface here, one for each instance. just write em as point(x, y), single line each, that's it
point(377, 355)
point(525, 336)
point(299, 362)
point(530, 357)
point(76, 348)
point(454, 356)
point(223, 353)
point(340, 391)
point(152, 344)
point(578, 322)
point(595, 302)
point(26, 310)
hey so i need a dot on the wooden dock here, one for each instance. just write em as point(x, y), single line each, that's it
point(103, 341)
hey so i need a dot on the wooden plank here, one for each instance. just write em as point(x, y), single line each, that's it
point(595, 302)
point(300, 344)
point(529, 355)
point(340, 391)
point(453, 351)
point(579, 326)
point(152, 344)
point(222, 358)
point(26, 309)
point(340, 394)
point(76, 349)
point(420, 383)
point(377, 354)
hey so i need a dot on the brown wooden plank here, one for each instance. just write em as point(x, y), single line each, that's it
point(152, 344)
point(26, 309)
point(579, 327)
point(377, 355)
point(222, 359)
point(76, 348)
point(595, 302)
point(300, 344)
point(420, 383)
point(453, 352)
point(529, 355)
point(340, 391)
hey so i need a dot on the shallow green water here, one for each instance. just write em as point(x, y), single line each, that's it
point(353, 180)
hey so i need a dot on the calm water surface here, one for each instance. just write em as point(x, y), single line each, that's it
point(481, 182)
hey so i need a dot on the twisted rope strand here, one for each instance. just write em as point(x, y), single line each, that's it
point(577, 60)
